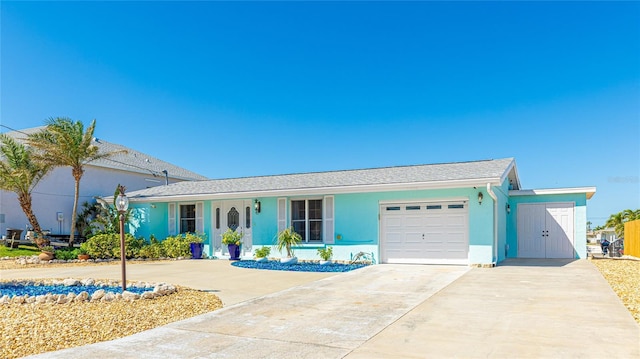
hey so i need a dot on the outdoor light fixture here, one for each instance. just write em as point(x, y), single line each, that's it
point(122, 204)
point(507, 207)
point(256, 206)
point(480, 197)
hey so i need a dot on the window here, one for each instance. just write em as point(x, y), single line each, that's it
point(247, 217)
point(393, 208)
point(306, 219)
point(233, 219)
point(437, 206)
point(456, 206)
point(217, 218)
point(412, 208)
point(187, 218)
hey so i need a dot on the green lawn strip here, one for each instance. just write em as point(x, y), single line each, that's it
point(22, 250)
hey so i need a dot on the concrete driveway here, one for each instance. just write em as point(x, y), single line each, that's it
point(524, 308)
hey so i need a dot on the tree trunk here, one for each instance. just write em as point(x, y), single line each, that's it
point(25, 204)
point(77, 175)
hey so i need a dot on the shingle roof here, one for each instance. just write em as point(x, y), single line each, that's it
point(132, 161)
point(480, 171)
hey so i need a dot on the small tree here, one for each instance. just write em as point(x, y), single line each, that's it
point(20, 173)
point(286, 239)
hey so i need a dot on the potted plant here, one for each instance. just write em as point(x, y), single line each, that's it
point(46, 253)
point(83, 254)
point(233, 240)
point(326, 254)
point(288, 238)
point(196, 244)
point(262, 254)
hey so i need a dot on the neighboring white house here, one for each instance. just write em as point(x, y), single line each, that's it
point(53, 196)
point(608, 233)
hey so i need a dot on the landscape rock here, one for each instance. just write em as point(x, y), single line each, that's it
point(70, 282)
point(88, 281)
point(82, 297)
point(108, 297)
point(97, 295)
point(126, 295)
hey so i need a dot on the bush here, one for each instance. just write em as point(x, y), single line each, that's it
point(325, 253)
point(132, 246)
point(102, 245)
point(153, 251)
point(177, 246)
point(107, 246)
point(66, 254)
point(263, 252)
point(195, 237)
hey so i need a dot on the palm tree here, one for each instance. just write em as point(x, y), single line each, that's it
point(64, 142)
point(630, 215)
point(617, 220)
point(20, 173)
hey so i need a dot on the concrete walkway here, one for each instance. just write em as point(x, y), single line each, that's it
point(524, 309)
point(231, 284)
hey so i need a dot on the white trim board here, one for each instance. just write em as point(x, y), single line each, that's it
point(589, 191)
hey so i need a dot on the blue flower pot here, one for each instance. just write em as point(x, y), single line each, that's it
point(196, 250)
point(234, 252)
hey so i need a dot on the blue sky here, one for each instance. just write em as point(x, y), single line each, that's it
point(254, 88)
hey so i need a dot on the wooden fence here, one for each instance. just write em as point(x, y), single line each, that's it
point(632, 238)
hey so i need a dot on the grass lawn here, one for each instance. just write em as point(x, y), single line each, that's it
point(22, 250)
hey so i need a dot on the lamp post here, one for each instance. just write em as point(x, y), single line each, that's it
point(122, 204)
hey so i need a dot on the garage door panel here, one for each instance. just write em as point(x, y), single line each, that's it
point(456, 220)
point(433, 233)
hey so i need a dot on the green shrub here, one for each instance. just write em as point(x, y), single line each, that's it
point(107, 246)
point(66, 254)
point(177, 246)
point(195, 237)
point(325, 253)
point(263, 252)
point(153, 250)
point(102, 246)
point(232, 237)
point(132, 246)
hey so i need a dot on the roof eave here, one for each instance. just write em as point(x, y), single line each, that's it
point(321, 190)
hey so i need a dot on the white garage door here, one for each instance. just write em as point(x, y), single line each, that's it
point(424, 233)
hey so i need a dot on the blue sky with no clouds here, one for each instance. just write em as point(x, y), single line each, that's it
point(231, 89)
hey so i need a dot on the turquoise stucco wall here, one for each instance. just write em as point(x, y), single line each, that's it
point(580, 219)
point(153, 220)
point(356, 221)
point(265, 223)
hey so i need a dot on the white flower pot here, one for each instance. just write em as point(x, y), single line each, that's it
point(292, 260)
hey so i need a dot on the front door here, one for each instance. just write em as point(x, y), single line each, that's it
point(236, 215)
